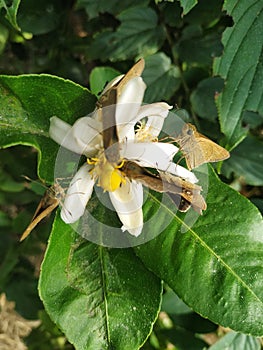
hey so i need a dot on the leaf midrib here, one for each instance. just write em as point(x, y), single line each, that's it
point(204, 244)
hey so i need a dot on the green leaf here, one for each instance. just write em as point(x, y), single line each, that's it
point(197, 46)
point(203, 97)
point(252, 119)
point(161, 77)
point(187, 5)
point(215, 266)
point(205, 13)
point(138, 34)
point(172, 304)
point(99, 76)
point(246, 161)
point(39, 17)
point(235, 341)
point(28, 102)
point(183, 316)
point(243, 72)
point(101, 298)
point(94, 8)
point(11, 11)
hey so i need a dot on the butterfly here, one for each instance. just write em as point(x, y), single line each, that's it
point(48, 203)
point(184, 193)
point(198, 149)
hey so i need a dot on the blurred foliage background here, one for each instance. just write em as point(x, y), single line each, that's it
point(69, 39)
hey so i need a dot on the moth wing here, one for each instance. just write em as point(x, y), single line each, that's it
point(38, 217)
point(210, 151)
point(135, 71)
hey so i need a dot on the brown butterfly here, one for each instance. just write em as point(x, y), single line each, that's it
point(48, 203)
point(198, 149)
point(184, 193)
point(107, 105)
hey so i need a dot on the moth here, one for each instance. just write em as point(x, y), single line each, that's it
point(48, 203)
point(184, 193)
point(107, 105)
point(197, 148)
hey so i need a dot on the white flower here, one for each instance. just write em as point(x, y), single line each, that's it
point(85, 137)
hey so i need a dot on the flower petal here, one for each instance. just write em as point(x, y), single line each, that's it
point(150, 154)
point(156, 113)
point(78, 195)
point(156, 155)
point(58, 129)
point(180, 171)
point(128, 104)
point(127, 201)
point(86, 132)
point(83, 137)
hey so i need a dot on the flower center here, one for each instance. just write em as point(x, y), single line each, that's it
point(144, 134)
point(109, 176)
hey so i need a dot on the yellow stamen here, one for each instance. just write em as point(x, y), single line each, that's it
point(108, 175)
point(144, 134)
point(92, 161)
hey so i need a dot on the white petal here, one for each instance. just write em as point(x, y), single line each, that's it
point(180, 171)
point(151, 154)
point(58, 129)
point(86, 132)
point(156, 155)
point(83, 137)
point(156, 113)
point(132, 91)
point(128, 104)
point(78, 195)
point(127, 201)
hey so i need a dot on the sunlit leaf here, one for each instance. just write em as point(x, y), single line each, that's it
point(215, 266)
point(28, 102)
point(105, 295)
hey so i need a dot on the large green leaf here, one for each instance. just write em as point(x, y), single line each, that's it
point(101, 298)
point(138, 34)
point(215, 266)
point(242, 71)
point(28, 102)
